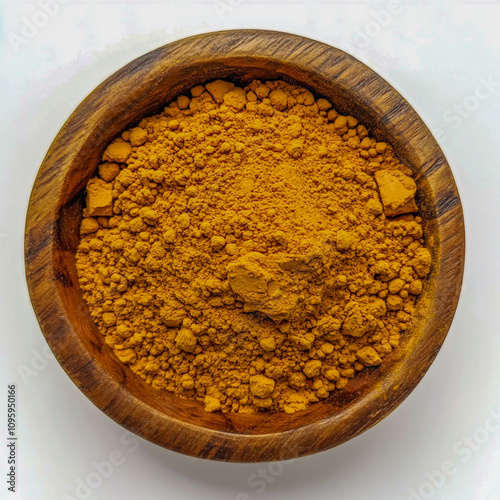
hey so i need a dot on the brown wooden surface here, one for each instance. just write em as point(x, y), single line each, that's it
point(143, 87)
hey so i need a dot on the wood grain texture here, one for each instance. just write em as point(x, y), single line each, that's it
point(142, 88)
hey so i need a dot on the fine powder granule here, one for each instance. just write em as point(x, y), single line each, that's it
point(251, 248)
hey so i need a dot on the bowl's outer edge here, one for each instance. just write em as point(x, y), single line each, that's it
point(321, 62)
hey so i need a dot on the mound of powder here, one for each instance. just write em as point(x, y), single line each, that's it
point(251, 248)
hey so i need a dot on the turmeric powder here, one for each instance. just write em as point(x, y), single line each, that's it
point(251, 248)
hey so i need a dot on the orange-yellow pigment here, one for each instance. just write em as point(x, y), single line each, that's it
point(251, 248)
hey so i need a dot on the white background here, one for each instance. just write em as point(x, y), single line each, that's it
point(438, 54)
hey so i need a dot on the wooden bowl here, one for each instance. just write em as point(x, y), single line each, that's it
point(141, 88)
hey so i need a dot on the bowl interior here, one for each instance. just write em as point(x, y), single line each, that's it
point(142, 88)
point(238, 71)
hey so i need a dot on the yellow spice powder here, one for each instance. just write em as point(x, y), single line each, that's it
point(251, 248)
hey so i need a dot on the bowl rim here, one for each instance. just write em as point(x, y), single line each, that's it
point(145, 420)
